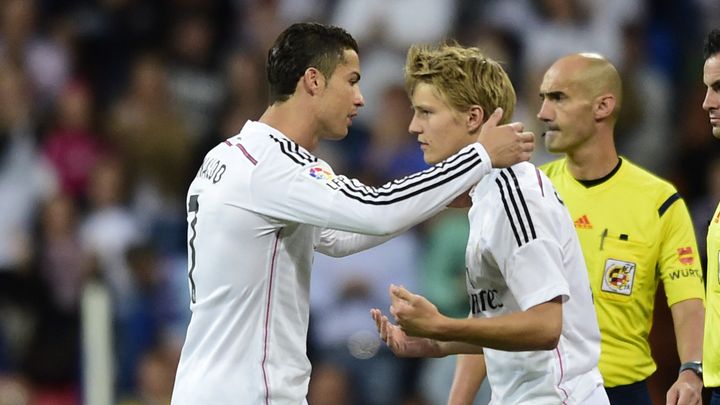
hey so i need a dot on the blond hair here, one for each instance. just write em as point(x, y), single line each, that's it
point(463, 76)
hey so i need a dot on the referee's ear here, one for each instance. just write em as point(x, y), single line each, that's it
point(604, 106)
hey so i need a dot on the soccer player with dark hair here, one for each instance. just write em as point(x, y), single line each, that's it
point(262, 203)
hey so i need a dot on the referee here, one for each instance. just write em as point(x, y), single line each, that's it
point(711, 104)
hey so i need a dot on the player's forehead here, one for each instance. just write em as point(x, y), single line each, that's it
point(711, 70)
point(425, 94)
point(349, 64)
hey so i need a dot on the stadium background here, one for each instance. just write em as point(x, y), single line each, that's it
point(108, 106)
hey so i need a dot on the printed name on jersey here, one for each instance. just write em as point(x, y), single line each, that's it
point(484, 300)
point(212, 169)
point(685, 255)
point(618, 277)
point(515, 206)
point(320, 173)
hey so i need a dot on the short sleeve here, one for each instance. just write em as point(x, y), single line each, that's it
point(679, 262)
point(534, 273)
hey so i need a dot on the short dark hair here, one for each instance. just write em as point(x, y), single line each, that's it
point(712, 44)
point(301, 46)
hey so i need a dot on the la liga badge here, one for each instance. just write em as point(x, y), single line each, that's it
point(320, 173)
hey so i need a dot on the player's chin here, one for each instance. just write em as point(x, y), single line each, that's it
point(430, 158)
point(338, 134)
point(716, 132)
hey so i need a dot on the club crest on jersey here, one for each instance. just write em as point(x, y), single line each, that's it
point(618, 277)
point(321, 174)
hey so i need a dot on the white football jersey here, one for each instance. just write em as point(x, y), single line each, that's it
point(523, 251)
point(258, 208)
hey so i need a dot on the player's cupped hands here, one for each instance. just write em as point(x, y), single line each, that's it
point(401, 344)
point(506, 144)
point(415, 315)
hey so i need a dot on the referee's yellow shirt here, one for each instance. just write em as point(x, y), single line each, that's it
point(634, 230)
point(711, 344)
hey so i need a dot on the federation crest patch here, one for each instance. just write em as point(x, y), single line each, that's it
point(321, 174)
point(618, 277)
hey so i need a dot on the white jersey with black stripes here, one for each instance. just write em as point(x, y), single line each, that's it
point(258, 208)
point(523, 251)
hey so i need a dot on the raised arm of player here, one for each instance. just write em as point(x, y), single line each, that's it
point(309, 192)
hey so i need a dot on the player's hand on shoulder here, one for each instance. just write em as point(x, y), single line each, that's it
point(506, 144)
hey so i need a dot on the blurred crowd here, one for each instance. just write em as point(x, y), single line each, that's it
point(107, 108)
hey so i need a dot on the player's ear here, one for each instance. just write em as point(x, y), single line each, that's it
point(474, 118)
point(312, 81)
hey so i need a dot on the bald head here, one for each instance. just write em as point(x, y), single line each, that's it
point(590, 74)
point(581, 102)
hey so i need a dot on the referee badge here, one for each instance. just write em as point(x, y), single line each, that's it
point(618, 277)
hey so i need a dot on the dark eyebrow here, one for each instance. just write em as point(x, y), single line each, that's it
point(553, 95)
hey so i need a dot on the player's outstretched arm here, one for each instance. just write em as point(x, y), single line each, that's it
point(506, 144)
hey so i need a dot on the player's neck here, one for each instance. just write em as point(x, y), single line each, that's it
point(294, 121)
point(594, 160)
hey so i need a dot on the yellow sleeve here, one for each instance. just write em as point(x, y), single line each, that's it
point(679, 265)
